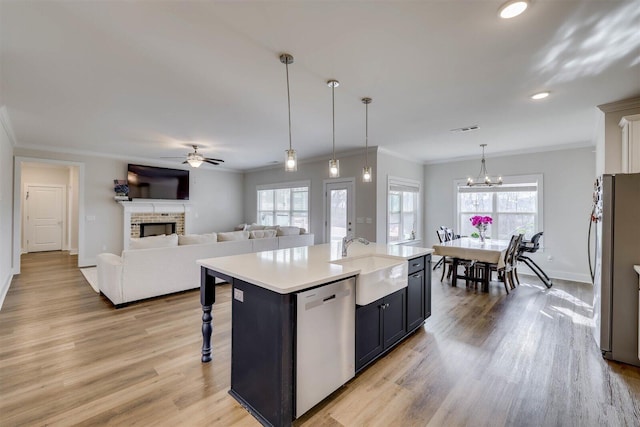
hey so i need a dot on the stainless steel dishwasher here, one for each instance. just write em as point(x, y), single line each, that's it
point(325, 341)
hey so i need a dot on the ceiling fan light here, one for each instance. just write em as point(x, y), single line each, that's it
point(194, 162)
point(511, 9)
point(290, 161)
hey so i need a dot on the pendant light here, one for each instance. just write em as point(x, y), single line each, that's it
point(334, 165)
point(483, 179)
point(366, 170)
point(290, 157)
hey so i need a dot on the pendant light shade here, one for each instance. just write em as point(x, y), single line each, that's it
point(334, 165)
point(483, 179)
point(290, 156)
point(367, 174)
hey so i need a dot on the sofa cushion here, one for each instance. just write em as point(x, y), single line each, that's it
point(197, 239)
point(288, 231)
point(240, 227)
point(233, 235)
point(161, 241)
point(254, 227)
point(262, 234)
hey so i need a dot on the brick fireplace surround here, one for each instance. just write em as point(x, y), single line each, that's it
point(137, 212)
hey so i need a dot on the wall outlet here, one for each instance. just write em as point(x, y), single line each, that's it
point(550, 258)
point(368, 220)
point(91, 217)
point(359, 220)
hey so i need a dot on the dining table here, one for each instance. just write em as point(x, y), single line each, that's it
point(485, 254)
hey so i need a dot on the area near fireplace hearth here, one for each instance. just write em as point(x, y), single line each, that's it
point(146, 218)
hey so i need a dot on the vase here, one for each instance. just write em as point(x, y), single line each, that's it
point(481, 233)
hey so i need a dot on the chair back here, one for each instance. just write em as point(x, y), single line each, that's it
point(441, 235)
point(450, 234)
point(511, 254)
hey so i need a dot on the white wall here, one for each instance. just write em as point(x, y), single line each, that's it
point(392, 166)
point(6, 212)
point(215, 199)
point(317, 172)
point(568, 177)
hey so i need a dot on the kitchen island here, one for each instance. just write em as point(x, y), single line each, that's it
point(298, 332)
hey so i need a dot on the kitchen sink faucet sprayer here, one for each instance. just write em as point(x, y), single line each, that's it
point(346, 241)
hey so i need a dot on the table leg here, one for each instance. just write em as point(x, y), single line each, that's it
point(486, 278)
point(454, 276)
point(207, 298)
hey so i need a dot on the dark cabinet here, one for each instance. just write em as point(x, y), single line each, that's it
point(415, 300)
point(384, 322)
point(379, 325)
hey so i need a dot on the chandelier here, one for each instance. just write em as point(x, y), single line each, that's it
point(484, 179)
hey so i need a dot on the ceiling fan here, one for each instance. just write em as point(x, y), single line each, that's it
point(195, 159)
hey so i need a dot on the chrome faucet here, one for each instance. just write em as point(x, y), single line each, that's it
point(346, 241)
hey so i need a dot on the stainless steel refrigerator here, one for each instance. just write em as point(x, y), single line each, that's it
point(617, 250)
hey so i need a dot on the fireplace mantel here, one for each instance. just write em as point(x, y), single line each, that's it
point(152, 207)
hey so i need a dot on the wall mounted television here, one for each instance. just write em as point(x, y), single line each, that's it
point(151, 182)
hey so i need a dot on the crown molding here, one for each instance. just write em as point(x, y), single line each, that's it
point(129, 159)
point(515, 153)
point(399, 156)
point(624, 104)
point(6, 125)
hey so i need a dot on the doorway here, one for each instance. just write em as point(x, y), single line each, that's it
point(48, 219)
point(44, 217)
point(339, 209)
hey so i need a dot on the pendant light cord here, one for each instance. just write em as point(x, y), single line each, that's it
point(366, 135)
point(333, 115)
point(288, 102)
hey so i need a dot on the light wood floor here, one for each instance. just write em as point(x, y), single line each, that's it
point(68, 357)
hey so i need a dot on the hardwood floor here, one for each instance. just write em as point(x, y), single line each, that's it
point(67, 357)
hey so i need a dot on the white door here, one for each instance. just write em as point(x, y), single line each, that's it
point(340, 212)
point(44, 218)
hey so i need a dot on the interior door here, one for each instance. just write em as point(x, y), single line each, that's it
point(340, 212)
point(44, 218)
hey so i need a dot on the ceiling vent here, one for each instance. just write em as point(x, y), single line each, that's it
point(466, 128)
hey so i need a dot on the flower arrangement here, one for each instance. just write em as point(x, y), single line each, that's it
point(481, 222)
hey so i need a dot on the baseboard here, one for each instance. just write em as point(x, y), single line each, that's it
point(87, 262)
point(73, 251)
point(5, 288)
point(555, 274)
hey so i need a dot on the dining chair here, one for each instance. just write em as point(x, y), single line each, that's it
point(509, 273)
point(440, 262)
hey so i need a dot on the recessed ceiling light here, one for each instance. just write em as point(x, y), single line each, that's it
point(540, 95)
point(513, 8)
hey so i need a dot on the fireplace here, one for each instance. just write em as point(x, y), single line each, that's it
point(154, 214)
point(157, 228)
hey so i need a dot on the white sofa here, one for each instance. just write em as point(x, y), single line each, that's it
point(144, 273)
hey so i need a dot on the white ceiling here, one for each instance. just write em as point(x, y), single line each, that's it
point(147, 79)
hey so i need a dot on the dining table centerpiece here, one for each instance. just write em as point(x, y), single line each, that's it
point(481, 223)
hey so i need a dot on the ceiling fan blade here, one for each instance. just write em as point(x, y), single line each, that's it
point(211, 162)
point(181, 157)
point(215, 160)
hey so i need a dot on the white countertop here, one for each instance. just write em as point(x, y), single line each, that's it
point(637, 268)
point(295, 269)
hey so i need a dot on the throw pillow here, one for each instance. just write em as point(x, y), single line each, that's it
point(161, 241)
point(197, 239)
point(288, 231)
point(240, 227)
point(233, 235)
point(262, 234)
point(254, 227)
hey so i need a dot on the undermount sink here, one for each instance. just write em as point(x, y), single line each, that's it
point(379, 276)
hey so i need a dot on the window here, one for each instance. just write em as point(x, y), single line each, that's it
point(284, 204)
point(515, 207)
point(403, 212)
